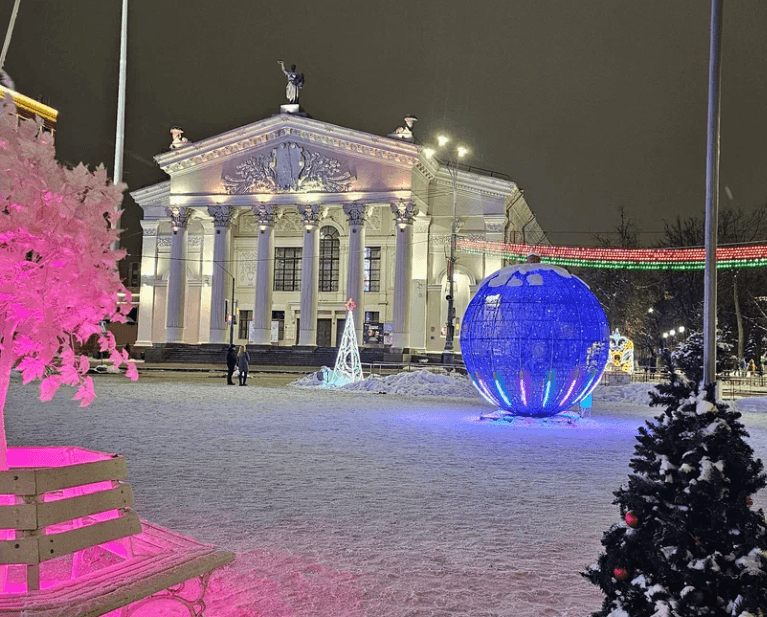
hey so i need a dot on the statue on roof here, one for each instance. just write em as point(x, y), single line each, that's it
point(295, 82)
point(405, 133)
point(179, 141)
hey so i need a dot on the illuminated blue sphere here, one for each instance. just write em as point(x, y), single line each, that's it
point(534, 339)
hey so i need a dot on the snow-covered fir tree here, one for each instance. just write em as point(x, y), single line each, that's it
point(689, 542)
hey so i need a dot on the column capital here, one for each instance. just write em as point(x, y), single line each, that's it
point(310, 215)
point(149, 227)
point(265, 215)
point(179, 217)
point(356, 213)
point(222, 216)
point(404, 213)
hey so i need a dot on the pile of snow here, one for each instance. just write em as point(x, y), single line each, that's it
point(416, 383)
point(632, 393)
point(456, 385)
point(754, 404)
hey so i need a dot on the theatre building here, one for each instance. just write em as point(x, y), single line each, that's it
point(283, 220)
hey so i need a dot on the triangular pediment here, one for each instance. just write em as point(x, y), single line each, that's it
point(292, 154)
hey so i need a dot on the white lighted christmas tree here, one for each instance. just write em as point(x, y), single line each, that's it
point(348, 368)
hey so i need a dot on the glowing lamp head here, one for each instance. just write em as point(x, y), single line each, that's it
point(534, 339)
point(428, 152)
point(442, 140)
point(461, 151)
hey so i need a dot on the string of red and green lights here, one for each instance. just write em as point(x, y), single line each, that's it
point(742, 256)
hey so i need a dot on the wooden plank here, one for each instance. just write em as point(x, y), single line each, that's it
point(121, 584)
point(58, 478)
point(20, 550)
point(55, 545)
point(52, 512)
point(18, 482)
point(21, 516)
point(93, 596)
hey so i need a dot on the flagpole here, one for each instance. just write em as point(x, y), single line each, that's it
point(120, 132)
point(712, 196)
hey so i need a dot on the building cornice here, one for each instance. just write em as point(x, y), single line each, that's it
point(286, 126)
point(202, 201)
point(153, 195)
point(477, 183)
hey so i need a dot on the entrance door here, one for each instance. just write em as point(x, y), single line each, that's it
point(340, 326)
point(324, 331)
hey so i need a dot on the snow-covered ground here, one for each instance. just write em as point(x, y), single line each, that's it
point(387, 498)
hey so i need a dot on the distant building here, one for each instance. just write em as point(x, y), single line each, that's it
point(301, 215)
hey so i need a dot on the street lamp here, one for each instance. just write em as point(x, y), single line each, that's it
point(449, 156)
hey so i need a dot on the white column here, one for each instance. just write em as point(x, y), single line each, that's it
point(404, 213)
point(174, 316)
point(148, 277)
point(307, 336)
point(417, 323)
point(206, 268)
point(262, 313)
point(222, 223)
point(355, 276)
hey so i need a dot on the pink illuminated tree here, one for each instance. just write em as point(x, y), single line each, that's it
point(58, 274)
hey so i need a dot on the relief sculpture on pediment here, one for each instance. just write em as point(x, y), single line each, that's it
point(288, 168)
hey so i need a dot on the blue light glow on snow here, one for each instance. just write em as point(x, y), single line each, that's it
point(534, 339)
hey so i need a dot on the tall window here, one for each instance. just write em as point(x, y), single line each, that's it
point(330, 250)
point(245, 318)
point(373, 268)
point(287, 268)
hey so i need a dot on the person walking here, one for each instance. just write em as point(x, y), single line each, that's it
point(231, 363)
point(243, 360)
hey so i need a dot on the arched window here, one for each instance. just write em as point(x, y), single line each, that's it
point(330, 250)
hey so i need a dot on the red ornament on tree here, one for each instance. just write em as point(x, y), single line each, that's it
point(620, 574)
point(632, 520)
point(749, 501)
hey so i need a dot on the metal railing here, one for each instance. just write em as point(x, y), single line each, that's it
point(389, 368)
point(732, 384)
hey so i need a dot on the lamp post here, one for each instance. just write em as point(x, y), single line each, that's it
point(450, 156)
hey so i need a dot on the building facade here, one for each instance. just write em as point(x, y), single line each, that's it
point(283, 220)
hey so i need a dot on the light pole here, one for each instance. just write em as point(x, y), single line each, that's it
point(449, 156)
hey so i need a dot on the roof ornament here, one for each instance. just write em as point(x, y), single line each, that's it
point(405, 133)
point(179, 141)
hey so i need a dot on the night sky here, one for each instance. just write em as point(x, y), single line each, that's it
point(588, 105)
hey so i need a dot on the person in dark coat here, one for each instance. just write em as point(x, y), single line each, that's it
point(243, 361)
point(231, 362)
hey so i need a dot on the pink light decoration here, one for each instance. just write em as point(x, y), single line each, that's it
point(58, 274)
point(647, 258)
